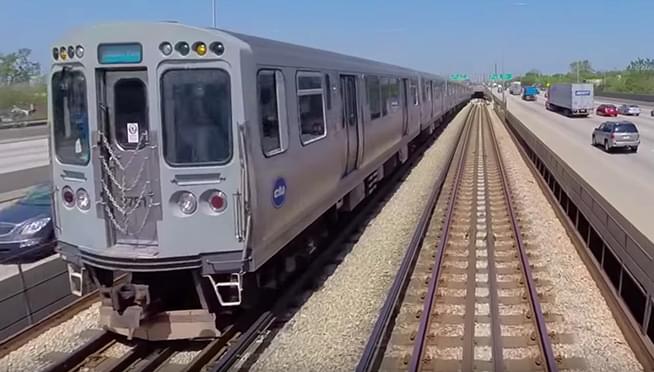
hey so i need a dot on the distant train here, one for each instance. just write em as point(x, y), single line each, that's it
point(192, 159)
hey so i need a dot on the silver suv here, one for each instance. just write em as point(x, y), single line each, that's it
point(621, 134)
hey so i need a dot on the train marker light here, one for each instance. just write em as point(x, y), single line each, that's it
point(79, 51)
point(55, 53)
point(200, 48)
point(166, 48)
point(62, 53)
point(217, 47)
point(182, 48)
point(68, 197)
point(217, 201)
point(71, 52)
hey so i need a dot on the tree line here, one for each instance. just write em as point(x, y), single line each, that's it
point(21, 83)
point(637, 77)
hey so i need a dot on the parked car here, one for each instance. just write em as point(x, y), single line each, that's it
point(612, 135)
point(26, 230)
point(607, 110)
point(629, 110)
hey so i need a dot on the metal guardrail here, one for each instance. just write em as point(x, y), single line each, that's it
point(620, 250)
point(23, 123)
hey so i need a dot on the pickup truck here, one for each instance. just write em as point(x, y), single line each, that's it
point(529, 93)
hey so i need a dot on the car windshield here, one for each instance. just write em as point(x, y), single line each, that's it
point(625, 128)
point(634, 106)
point(40, 195)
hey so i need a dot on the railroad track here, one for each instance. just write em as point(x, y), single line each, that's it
point(241, 343)
point(469, 302)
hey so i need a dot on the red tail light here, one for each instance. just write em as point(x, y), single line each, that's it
point(612, 136)
point(217, 201)
point(68, 197)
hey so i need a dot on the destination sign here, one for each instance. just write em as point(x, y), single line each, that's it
point(120, 53)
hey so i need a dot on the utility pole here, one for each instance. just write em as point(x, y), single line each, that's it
point(213, 12)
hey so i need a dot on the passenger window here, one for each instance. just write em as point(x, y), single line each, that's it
point(374, 97)
point(385, 94)
point(272, 116)
point(393, 102)
point(414, 92)
point(328, 96)
point(311, 107)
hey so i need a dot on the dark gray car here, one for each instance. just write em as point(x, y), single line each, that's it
point(621, 134)
point(26, 230)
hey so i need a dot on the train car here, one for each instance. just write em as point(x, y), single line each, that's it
point(191, 158)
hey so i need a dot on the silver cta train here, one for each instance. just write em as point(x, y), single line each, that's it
point(186, 160)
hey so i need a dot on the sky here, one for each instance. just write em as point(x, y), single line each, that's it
point(439, 36)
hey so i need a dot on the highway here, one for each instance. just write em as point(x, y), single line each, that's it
point(626, 180)
point(24, 158)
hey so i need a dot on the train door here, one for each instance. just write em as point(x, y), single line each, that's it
point(405, 106)
point(129, 156)
point(350, 120)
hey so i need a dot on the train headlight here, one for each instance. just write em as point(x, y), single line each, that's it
point(71, 52)
point(62, 53)
point(68, 197)
point(217, 47)
point(187, 202)
point(83, 200)
point(55, 53)
point(166, 48)
point(200, 48)
point(182, 48)
point(79, 51)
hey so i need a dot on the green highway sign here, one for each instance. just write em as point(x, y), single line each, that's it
point(503, 77)
point(458, 77)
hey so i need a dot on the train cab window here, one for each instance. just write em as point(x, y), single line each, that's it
point(311, 107)
point(374, 96)
point(131, 107)
point(272, 116)
point(70, 117)
point(196, 117)
point(414, 92)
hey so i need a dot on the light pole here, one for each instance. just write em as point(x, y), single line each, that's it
point(213, 12)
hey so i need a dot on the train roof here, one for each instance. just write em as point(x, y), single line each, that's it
point(265, 50)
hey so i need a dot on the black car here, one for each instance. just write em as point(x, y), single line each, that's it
point(26, 230)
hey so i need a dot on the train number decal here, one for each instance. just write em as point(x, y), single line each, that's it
point(279, 192)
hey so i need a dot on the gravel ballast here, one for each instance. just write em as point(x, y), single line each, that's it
point(39, 352)
point(574, 294)
point(330, 331)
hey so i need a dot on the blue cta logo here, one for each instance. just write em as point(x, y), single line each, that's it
point(279, 192)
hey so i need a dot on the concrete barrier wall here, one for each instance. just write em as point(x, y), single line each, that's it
point(626, 96)
point(45, 289)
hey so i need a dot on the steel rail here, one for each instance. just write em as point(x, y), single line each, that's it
point(372, 349)
point(544, 339)
point(430, 297)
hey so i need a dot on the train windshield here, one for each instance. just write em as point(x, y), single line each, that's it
point(196, 109)
point(70, 117)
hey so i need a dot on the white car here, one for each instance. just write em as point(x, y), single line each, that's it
point(629, 110)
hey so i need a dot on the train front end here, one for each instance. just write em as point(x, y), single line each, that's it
point(150, 180)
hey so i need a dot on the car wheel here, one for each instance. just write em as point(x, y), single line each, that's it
point(593, 141)
point(607, 148)
point(635, 149)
